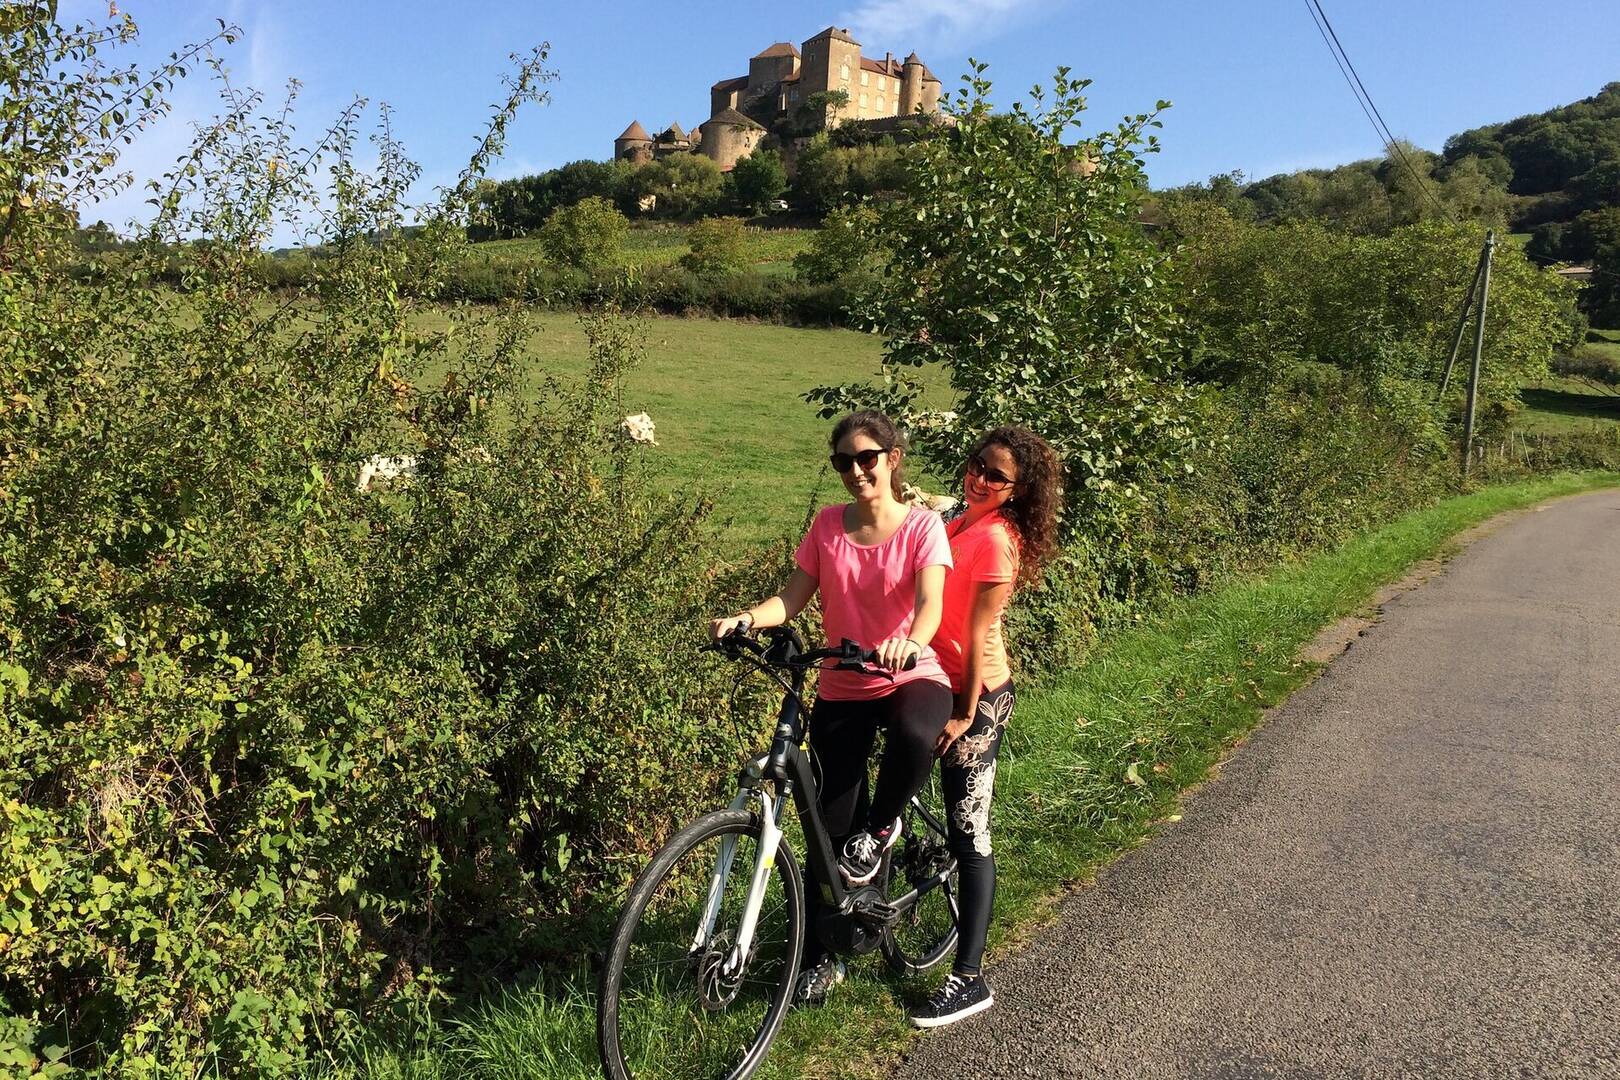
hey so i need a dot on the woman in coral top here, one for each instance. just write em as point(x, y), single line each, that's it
point(1012, 490)
point(879, 566)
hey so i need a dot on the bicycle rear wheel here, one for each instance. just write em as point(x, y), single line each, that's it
point(921, 861)
point(668, 1003)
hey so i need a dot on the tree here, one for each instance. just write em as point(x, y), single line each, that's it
point(1028, 279)
point(846, 243)
point(685, 185)
point(829, 174)
point(587, 234)
point(756, 180)
point(718, 247)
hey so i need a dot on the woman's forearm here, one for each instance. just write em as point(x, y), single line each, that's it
point(778, 609)
point(771, 611)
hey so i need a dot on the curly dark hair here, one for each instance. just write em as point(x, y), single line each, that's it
point(1033, 508)
point(880, 429)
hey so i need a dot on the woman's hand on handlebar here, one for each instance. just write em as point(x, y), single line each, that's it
point(898, 654)
point(719, 628)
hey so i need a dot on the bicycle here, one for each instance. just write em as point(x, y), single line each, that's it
point(700, 969)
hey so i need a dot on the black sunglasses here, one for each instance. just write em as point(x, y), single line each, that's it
point(865, 459)
point(994, 479)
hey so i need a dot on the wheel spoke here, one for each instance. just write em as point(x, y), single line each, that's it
point(679, 1011)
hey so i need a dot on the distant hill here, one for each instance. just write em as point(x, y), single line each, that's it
point(1544, 172)
point(1559, 163)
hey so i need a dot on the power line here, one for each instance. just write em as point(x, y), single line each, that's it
point(1358, 89)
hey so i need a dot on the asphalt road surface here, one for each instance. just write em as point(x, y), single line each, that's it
point(1411, 869)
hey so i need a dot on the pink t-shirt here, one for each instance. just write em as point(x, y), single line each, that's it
point(869, 594)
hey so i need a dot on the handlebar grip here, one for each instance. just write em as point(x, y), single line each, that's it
point(871, 657)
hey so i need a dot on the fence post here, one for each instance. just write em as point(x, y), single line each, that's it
point(1479, 348)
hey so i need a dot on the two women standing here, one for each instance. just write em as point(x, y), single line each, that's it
point(928, 599)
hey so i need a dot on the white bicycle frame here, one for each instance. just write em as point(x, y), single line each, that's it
point(770, 838)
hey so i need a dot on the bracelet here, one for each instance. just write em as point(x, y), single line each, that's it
point(919, 646)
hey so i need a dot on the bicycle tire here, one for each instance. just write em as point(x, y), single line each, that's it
point(617, 1059)
point(926, 936)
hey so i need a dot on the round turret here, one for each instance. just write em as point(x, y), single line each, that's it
point(634, 144)
point(911, 85)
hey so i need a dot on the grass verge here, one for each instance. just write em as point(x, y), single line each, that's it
point(1092, 763)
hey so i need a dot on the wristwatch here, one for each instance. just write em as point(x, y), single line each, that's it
point(745, 622)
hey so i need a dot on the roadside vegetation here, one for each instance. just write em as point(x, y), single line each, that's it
point(292, 770)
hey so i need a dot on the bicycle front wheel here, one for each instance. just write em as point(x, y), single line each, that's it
point(677, 997)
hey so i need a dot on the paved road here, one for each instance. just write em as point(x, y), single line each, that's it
point(1412, 869)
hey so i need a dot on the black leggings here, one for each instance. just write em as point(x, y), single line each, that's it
point(968, 775)
point(841, 738)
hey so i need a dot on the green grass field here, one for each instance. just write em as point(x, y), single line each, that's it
point(726, 399)
point(770, 251)
point(1573, 404)
point(1091, 766)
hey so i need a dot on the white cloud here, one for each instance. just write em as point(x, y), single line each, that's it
point(934, 24)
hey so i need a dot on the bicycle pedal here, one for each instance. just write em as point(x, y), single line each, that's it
point(876, 912)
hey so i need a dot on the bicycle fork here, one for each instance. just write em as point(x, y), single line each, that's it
point(770, 838)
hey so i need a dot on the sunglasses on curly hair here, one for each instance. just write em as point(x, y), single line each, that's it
point(865, 459)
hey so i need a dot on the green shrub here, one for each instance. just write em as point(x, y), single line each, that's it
point(754, 181)
point(279, 757)
point(718, 247)
point(586, 235)
point(846, 244)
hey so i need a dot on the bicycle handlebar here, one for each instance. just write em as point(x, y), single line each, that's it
point(849, 654)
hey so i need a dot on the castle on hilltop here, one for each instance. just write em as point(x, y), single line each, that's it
point(787, 92)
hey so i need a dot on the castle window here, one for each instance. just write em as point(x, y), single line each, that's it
point(866, 77)
point(863, 101)
point(843, 73)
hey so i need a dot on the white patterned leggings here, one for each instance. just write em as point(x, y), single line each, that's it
point(968, 776)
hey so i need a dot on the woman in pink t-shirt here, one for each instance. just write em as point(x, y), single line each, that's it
point(879, 566)
point(1011, 488)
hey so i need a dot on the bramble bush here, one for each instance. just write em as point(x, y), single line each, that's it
point(277, 756)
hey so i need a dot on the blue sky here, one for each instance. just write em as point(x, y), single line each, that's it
point(1253, 86)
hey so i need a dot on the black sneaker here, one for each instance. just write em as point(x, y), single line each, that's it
point(863, 854)
point(816, 982)
point(959, 998)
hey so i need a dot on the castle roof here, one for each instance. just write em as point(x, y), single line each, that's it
point(929, 76)
point(673, 131)
point(913, 58)
point(882, 67)
point(791, 78)
point(835, 34)
point(731, 84)
point(734, 118)
point(781, 48)
point(635, 131)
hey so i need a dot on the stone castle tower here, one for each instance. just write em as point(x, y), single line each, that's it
point(780, 90)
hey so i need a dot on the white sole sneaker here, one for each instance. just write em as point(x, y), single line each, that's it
point(961, 1014)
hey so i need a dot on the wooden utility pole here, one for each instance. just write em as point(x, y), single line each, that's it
point(1462, 323)
point(1479, 348)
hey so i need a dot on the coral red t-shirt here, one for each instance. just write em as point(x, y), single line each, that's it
point(869, 593)
point(987, 550)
